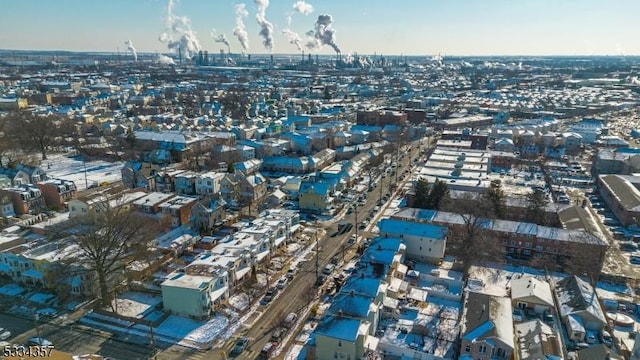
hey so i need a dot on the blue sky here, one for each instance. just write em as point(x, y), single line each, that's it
point(420, 27)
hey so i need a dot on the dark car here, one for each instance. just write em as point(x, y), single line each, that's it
point(271, 293)
point(239, 346)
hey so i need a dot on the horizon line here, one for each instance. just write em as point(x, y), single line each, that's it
point(106, 52)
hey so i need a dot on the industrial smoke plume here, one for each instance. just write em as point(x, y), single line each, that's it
point(133, 50)
point(222, 38)
point(293, 37)
point(163, 59)
point(302, 7)
point(240, 31)
point(178, 35)
point(266, 28)
point(323, 34)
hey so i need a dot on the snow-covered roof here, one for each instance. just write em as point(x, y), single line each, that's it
point(576, 295)
point(531, 289)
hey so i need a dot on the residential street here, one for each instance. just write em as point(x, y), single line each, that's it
point(294, 297)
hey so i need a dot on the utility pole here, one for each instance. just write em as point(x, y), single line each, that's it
point(153, 341)
point(35, 320)
point(86, 182)
point(317, 264)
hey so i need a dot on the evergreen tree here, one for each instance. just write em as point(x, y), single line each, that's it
point(421, 194)
point(438, 192)
point(496, 198)
point(536, 209)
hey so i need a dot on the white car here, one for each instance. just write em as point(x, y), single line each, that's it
point(4, 334)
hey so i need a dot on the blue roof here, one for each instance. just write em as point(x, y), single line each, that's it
point(353, 305)
point(339, 328)
point(362, 286)
point(394, 226)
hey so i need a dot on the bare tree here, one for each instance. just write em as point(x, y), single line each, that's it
point(108, 242)
point(471, 243)
point(33, 132)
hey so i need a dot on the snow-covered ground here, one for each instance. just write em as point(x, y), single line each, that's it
point(60, 166)
point(261, 280)
point(135, 304)
point(240, 301)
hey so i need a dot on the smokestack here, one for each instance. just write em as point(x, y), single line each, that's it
point(221, 55)
point(302, 55)
point(249, 57)
point(180, 55)
point(271, 58)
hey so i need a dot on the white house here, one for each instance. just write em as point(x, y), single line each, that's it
point(194, 295)
point(208, 183)
point(425, 242)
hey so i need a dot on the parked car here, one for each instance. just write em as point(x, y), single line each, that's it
point(268, 349)
point(278, 334)
point(635, 259)
point(290, 320)
point(271, 293)
point(4, 334)
point(239, 346)
point(281, 283)
point(328, 269)
point(352, 239)
point(291, 273)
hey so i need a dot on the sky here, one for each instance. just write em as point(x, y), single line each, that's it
point(410, 27)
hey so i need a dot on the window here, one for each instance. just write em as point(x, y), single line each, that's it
point(482, 349)
point(339, 342)
point(467, 348)
point(429, 249)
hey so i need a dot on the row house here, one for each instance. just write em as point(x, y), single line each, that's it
point(24, 174)
point(208, 183)
point(185, 183)
point(230, 188)
point(139, 175)
point(253, 189)
point(36, 267)
point(57, 192)
point(99, 202)
point(291, 165)
point(208, 213)
point(26, 199)
point(178, 209)
point(576, 251)
point(150, 203)
point(322, 159)
point(247, 167)
point(196, 293)
point(165, 181)
point(6, 207)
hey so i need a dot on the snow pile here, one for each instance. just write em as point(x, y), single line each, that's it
point(240, 301)
point(209, 331)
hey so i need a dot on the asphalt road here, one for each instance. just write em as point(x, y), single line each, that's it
point(295, 296)
point(74, 339)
